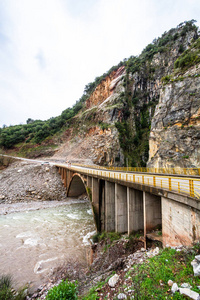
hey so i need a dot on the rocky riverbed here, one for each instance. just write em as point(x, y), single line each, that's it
point(25, 181)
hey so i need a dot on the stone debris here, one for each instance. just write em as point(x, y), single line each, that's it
point(196, 265)
point(30, 181)
point(170, 282)
point(186, 285)
point(153, 252)
point(174, 288)
point(187, 292)
point(113, 280)
point(121, 296)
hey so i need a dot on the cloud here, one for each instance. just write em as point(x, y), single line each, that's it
point(50, 49)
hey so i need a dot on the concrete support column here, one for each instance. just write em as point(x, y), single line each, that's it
point(135, 210)
point(69, 176)
point(62, 173)
point(152, 212)
point(121, 221)
point(95, 201)
point(65, 177)
point(102, 204)
point(109, 206)
point(89, 182)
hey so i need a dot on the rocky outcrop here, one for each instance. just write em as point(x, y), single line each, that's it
point(175, 128)
point(105, 88)
point(94, 138)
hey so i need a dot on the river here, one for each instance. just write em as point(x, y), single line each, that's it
point(32, 242)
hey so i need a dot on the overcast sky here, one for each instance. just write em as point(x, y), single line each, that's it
point(50, 49)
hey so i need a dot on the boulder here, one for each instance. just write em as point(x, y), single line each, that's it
point(196, 266)
point(113, 280)
point(187, 292)
point(174, 288)
point(121, 296)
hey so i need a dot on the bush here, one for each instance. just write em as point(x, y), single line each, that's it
point(65, 290)
point(187, 59)
point(166, 79)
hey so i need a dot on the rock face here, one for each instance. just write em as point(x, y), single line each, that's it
point(94, 138)
point(175, 128)
point(105, 88)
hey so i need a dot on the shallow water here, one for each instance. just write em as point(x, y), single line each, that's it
point(34, 242)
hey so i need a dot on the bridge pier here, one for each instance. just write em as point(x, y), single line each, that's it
point(121, 221)
point(102, 205)
point(89, 182)
point(135, 210)
point(152, 212)
point(95, 201)
point(109, 206)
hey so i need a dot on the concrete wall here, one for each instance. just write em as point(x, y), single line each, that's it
point(109, 206)
point(135, 210)
point(180, 223)
point(121, 214)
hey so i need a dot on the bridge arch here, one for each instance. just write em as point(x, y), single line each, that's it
point(77, 186)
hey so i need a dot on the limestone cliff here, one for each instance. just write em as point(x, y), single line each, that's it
point(175, 128)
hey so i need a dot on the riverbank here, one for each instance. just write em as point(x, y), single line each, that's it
point(122, 269)
point(24, 181)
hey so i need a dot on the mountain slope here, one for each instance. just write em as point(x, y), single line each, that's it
point(145, 111)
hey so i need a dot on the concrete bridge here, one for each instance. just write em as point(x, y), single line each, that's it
point(129, 202)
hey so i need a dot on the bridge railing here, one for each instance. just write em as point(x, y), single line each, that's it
point(174, 171)
point(183, 185)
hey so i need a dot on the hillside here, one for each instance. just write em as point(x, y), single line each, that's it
point(143, 112)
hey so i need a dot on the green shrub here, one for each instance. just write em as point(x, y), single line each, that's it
point(65, 290)
point(166, 79)
point(187, 59)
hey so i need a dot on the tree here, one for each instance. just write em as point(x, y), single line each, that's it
point(29, 121)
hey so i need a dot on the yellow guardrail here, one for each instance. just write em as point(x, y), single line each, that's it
point(178, 171)
point(183, 185)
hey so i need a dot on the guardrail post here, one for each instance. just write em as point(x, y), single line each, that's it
point(179, 190)
point(191, 184)
point(126, 177)
point(142, 179)
point(154, 180)
point(133, 178)
point(170, 184)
